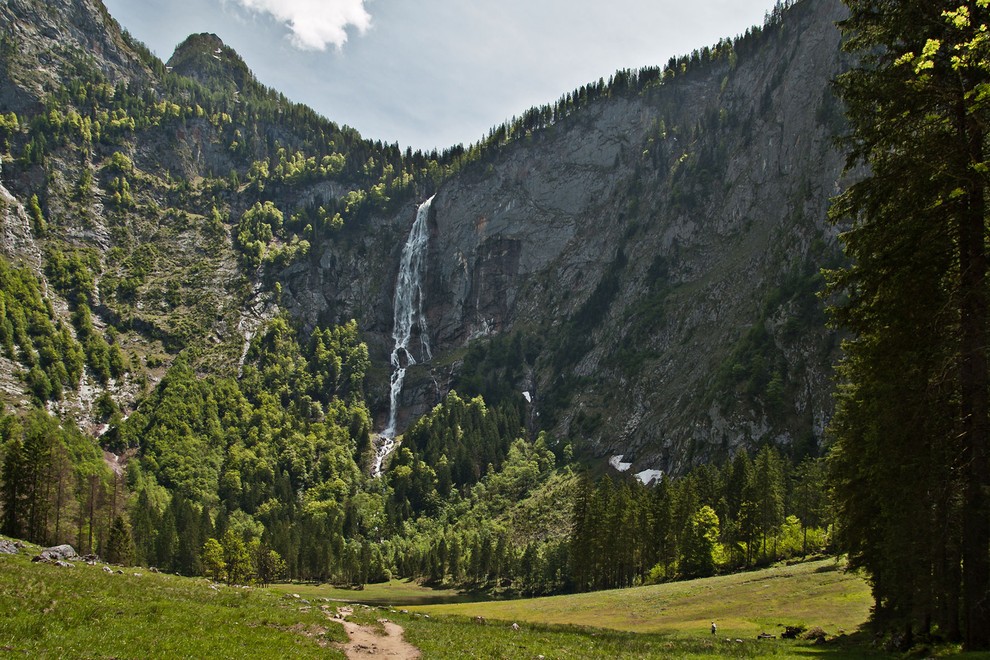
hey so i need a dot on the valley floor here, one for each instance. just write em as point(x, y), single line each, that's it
point(91, 611)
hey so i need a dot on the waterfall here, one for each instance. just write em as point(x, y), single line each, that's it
point(409, 318)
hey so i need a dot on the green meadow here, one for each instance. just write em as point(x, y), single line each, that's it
point(818, 593)
point(83, 611)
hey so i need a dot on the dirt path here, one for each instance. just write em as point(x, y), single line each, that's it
point(366, 640)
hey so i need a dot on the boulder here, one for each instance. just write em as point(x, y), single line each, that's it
point(57, 553)
point(7, 547)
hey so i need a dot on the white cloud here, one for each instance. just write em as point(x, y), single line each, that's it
point(315, 24)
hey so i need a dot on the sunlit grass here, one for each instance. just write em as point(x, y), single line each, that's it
point(816, 593)
point(458, 637)
point(52, 612)
point(670, 620)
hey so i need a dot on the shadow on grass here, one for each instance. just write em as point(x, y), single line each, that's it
point(453, 636)
point(405, 593)
point(858, 644)
point(445, 598)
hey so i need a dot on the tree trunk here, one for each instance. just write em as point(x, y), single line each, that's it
point(974, 395)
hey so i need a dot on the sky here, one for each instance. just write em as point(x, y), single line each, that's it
point(435, 73)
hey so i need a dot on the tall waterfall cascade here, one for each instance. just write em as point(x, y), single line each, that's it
point(409, 321)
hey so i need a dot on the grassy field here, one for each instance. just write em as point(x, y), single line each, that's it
point(455, 638)
point(84, 612)
point(743, 605)
point(669, 620)
point(51, 612)
point(663, 621)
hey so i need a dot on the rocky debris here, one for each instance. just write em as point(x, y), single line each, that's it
point(107, 569)
point(7, 547)
point(515, 626)
point(57, 554)
point(18, 241)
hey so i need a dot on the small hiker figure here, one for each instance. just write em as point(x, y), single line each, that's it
point(713, 627)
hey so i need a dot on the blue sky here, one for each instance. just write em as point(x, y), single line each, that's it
point(434, 73)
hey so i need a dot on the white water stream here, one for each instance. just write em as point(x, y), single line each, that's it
point(408, 319)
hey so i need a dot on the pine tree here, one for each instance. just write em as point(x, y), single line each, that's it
point(809, 496)
point(582, 529)
point(120, 545)
point(144, 529)
point(12, 487)
point(768, 474)
point(912, 425)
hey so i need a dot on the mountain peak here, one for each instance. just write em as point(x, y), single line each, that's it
point(205, 58)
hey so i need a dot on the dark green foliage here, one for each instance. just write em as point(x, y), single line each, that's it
point(268, 565)
point(31, 335)
point(470, 438)
point(911, 457)
point(276, 451)
point(624, 533)
point(50, 476)
point(72, 274)
point(274, 462)
point(699, 544)
point(494, 368)
point(120, 546)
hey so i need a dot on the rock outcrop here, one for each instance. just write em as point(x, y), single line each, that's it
point(661, 246)
point(57, 553)
point(648, 259)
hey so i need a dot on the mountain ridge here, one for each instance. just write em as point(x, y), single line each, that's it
point(605, 213)
point(567, 219)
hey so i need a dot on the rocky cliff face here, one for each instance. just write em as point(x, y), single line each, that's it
point(661, 247)
point(644, 267)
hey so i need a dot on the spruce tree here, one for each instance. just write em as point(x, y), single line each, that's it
point(12, 487)
point(912, 424)
point(120, 545)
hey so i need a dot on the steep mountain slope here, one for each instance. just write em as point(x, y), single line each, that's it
point(644, 267)
point(130, 187)
point(640, 259)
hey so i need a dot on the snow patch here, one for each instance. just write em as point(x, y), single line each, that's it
point(528, 397)
point(616, 462)
point(647, 477)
